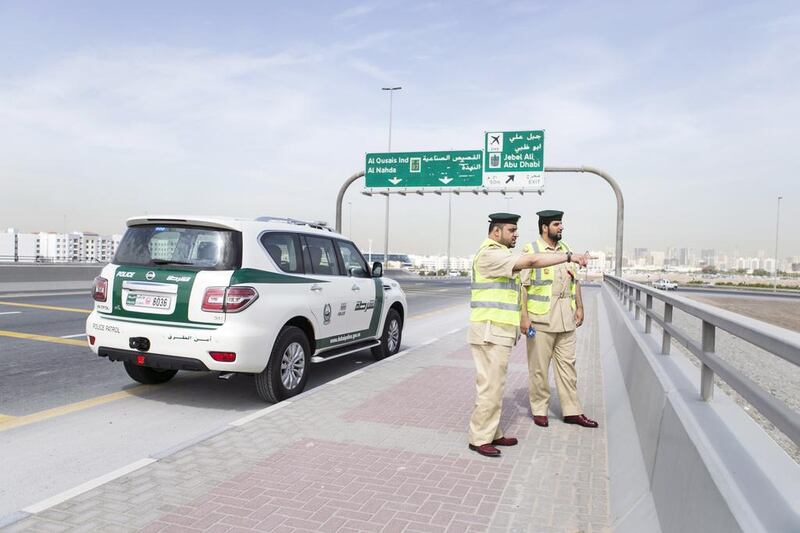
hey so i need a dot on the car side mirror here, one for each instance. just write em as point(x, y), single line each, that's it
point(356, 272)
point(377, 269)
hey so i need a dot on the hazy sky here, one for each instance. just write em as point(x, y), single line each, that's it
point(115, 109)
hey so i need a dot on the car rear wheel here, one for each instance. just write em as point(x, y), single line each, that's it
point(148, 375)
point(287, 371)
point(391, 337)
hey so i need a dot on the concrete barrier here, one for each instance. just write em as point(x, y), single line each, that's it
point(38, 278)
point(709, 467)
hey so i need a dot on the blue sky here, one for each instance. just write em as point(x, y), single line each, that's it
point(110, 110)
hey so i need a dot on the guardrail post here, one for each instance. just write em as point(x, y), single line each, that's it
point(630, 298)
point(666, 338)
point(637, 310)
point(706, 374)
point(648, 321)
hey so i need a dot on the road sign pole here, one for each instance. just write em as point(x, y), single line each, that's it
point(620, 208)
point(449, 225)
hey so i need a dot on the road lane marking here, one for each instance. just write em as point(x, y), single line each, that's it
point(86, 487)
point(438, 311)
point(49, 307)
point(72, 336)
point(42, 338)
point(11, 313)
point(9, 422)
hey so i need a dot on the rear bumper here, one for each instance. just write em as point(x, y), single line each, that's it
point(153, 360)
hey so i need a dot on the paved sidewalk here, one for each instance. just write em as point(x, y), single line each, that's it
point(383, 450)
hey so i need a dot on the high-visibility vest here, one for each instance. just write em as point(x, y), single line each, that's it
point(494, 299)
point(540, 291)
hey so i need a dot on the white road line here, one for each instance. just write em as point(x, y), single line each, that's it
point(454, 331)
point(73, 336)
point(258, 414)
point(345, 377)
point(427, 342)
point(85, 487)
point(11, 313)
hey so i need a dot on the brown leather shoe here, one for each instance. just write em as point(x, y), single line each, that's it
point(505, 441)
point(485, 449)
point(541, 421)
point(581, 420)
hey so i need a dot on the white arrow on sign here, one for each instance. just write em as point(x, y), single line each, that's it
point(395, 181)
point(445, 180)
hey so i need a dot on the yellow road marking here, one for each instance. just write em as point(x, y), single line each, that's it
point(9, 422)
point(48, 307)
point(43, 338)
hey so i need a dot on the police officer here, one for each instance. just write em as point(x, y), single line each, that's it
point(552, 304)
point(494, 321)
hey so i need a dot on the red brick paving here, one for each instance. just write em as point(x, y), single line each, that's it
point(315, 485)
point(452, 391)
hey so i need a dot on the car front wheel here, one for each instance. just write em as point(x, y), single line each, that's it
point(391, 337)
point(287, 370)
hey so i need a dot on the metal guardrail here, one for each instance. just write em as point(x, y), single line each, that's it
point(779, 342)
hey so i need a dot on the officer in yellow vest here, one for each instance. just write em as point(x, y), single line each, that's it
point(494, 324)
point(552, 305)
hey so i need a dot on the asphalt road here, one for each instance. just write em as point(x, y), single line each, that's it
point(68, 416)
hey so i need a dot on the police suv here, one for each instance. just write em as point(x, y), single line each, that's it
point(266, 297)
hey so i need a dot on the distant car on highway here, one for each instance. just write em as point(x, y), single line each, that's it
point(665, 285)
point(266, 297)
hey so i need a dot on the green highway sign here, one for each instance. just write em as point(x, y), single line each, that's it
point(402, 170)
point(514, 159)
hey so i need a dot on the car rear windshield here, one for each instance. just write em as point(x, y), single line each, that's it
point(189, 247)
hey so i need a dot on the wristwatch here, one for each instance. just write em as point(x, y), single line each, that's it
point(569, 257)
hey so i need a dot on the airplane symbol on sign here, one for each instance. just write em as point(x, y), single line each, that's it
point(510, 178)
point(495, 139)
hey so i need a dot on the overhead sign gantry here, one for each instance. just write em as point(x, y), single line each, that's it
point(512, 161)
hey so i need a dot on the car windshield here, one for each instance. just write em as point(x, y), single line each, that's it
point(184, 246)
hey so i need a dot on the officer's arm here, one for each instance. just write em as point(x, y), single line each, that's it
point(525, 321)
point(578, 297)
point(534, 260)
point(540, 260)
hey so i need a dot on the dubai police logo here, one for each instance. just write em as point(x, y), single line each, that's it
point(150, 275)
point(326, 314)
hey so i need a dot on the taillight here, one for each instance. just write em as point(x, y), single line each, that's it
point(228, 299)
point(238, 298)
point(223, 357)
point(214, 300)
point(91, 339)
point(100, 289)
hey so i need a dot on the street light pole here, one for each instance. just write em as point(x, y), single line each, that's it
point(386, 222)
point(777, 228)
point(449, 224)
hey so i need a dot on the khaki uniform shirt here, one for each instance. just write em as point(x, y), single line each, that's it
point(561, 317)
point(492, 263)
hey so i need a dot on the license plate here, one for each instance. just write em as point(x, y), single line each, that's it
point(151, 302)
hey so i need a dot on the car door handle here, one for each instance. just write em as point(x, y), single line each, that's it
point(355, 288)
point(316, 287)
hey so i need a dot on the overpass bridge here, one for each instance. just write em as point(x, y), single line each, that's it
point(383, 448)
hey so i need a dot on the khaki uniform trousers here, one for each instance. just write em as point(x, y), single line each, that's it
point(491, 363)
point(543, 348)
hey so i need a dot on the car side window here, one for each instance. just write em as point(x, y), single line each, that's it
point(322, 256)
point(284, 249)
point(354, 264)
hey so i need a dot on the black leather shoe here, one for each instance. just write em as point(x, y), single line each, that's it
point(485, 449)
point(581, 420)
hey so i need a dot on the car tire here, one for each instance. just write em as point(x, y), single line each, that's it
point(287, 370)
point(148, 375)
point(391, 338)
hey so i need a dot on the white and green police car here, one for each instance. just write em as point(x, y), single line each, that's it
point(266, 297)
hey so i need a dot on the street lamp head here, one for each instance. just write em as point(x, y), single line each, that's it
point(390, 88)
